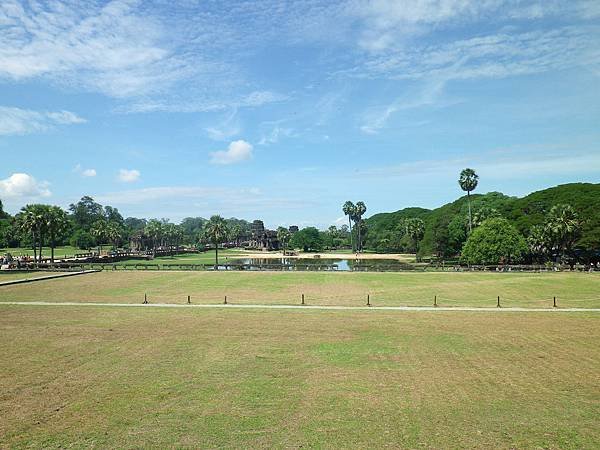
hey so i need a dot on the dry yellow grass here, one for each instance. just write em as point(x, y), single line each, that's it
point(156, 378)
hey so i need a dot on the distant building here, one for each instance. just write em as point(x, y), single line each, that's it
point(293, 229)
point(261, 238)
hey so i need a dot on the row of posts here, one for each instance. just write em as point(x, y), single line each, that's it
point(435, 304)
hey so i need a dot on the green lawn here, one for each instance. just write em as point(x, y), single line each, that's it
point(320, 288)
point(157, 378)
point(59, 252)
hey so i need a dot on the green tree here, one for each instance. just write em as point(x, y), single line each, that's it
point(99, 230)
point(283, 236)
point(496, 241)
point(216, 232)
point(564, 228)
point(539, 242)
point(415, 228)
point(155, 231)
point(86, 212)
point(349, 210)
point(56, 224)
point(32, 221)
point(468, 182)
point(308, 239)
point(114, 233)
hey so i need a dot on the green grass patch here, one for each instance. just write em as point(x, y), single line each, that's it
point(321, 288)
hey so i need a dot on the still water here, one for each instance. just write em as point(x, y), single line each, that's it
point(315, 264)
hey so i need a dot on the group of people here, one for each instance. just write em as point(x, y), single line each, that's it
point(8, 262)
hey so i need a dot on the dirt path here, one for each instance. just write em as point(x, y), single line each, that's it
point(311, 307)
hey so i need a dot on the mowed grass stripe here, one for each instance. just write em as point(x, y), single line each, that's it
point(157, 378)
point(576, 290)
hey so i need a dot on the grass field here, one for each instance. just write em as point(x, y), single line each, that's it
point(157, 378)
point(9, 276)
point(324, 288)
point(59, 252)
point(191, 258)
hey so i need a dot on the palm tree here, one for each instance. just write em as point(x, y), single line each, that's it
point(348, 208)
point(99, 230)
point(539, 242)
point(359, 210)
point(468, 182)
point(283, 236)
point(564, 227)
point(28, 223)
point(235, 231)
point(415, 228)
point(57, 223)
point(216, 231)
point(154, 230)
point(114, 234)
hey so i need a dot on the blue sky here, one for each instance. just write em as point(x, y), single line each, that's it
point(283, 110)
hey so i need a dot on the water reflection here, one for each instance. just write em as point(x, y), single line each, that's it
point(315, 264)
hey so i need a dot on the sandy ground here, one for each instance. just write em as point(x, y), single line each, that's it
point(273, 255)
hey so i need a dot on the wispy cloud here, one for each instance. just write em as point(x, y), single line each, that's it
point(489, 56)
point(177, 202)
point(228, 127)
point(23, 186)
point(276, 133)
point(17, 121)
point(501, 164)
point(129, 175)
point(237, 151)
point(377, 118)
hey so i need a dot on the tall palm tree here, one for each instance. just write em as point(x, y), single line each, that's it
point(28, 223)
point(539, 242)
point(154, 230)
point(57, 223)
point(359, 210)
point(348, 209)
point(564, 227)
point(415, 228)
point(216, 231)
point(468, 182)
point(283, 236)
point(114, 233)
point(99, 230)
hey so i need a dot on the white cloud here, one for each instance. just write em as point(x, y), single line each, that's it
point(129, 176)
point(490, 56)
point(88, 173)
point(237, 152)
point(17, 121)
point(111, 48)
point(84, 172)
point(20, 185)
